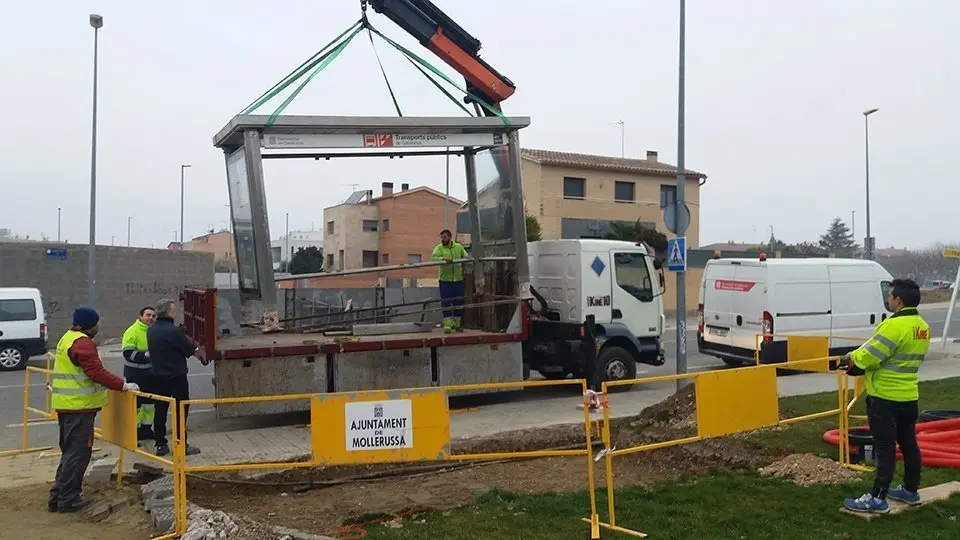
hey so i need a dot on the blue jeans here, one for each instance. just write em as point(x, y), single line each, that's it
point(451, 298)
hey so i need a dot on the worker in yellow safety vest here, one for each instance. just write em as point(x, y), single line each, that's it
point(136, 369)
point(80, 384)
point(889, 363)
point(451, 280)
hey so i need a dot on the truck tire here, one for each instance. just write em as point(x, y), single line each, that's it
point(616, 364)
point(556, 375)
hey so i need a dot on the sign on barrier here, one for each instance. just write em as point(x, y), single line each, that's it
point(736, 400)
point(380, 427)
point(800, 348)
point(118, 420)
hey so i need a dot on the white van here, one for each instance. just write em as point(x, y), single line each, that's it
point(23, 327)
point(740, 298)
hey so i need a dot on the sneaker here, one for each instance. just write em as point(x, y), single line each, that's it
point(73, 506)
point(191, 450)
point(867, 504)
point(163, 450)
point(900, 493)
point(52, 506)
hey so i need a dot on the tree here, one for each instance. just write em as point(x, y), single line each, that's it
point(636, 232)
point(308, 260)
point(533, 229)
point(838, 240)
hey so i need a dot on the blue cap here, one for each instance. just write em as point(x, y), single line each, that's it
point(85, 317)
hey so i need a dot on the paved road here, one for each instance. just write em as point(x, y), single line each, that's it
point(201, 386)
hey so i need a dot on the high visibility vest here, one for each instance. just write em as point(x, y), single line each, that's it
point(453, 271)
point(891, 359)
point(72, 389)
point(135, 340)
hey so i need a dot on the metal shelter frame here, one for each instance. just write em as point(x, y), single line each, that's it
point(245, 137)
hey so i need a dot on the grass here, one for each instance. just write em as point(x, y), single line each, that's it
point(715, 505)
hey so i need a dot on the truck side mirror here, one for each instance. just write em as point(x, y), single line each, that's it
point(657, 265)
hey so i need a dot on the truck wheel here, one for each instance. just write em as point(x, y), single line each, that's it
point(616, 364)
point(556, 375)
point(12, 358)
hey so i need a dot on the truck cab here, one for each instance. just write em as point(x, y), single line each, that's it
point(619, 284)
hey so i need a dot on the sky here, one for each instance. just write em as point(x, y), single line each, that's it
point(775, 95)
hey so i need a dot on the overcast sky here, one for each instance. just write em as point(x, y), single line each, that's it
point(775, 92)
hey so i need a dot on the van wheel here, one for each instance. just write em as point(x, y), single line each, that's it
point(616, 364)
point(12, 358)
point(733, 362)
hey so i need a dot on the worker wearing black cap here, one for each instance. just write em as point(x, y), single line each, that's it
point(80, 384)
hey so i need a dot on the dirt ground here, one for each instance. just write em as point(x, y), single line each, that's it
point(23, 514)
point(336, 495)
point(809, 470)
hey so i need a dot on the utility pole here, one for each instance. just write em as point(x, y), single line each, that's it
point(869, 243)
point(58, 224)
point(129, 219)
point(623, 147)
point(446, 203)
point(182, 168)
point(853, 224)
point(681, 184)
point(286, 236)
point(96, 21)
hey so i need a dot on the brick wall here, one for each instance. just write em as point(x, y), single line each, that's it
point(416, 220)
point(127, 280)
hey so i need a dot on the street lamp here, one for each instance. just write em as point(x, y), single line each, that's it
point(182, 169)
point(96, 21)
point(869, 247)
point(59, 209)
point(129, 219)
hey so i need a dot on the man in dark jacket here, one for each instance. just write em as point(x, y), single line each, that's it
point(169, 350)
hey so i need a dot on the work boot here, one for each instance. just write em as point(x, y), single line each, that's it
point(191, 450)
point(73, 506)
point(163, 450)
point(867, 504)
point(458, 324)
point(448, 325)
point(901, 494)
point(144, 433)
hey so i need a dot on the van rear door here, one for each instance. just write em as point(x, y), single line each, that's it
point(858, 295)
point(717, 301)
point(748, 291)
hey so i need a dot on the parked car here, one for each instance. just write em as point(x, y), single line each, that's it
point(23, 327)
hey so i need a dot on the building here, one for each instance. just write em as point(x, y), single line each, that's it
point(398, 227)
point(219, 243)
point(283, 248)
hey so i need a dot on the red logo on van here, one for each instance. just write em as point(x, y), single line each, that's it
point(730, 285)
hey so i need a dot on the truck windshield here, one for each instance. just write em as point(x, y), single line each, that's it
point(633, 275)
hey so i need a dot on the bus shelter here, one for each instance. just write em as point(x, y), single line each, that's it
point(490, 147)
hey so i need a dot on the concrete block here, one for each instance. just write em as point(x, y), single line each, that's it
point(119, 504)
point(100, 511)
point(293, 534)
point(162, 519)
point(99, 472)
point(148, 490)
point(269, 376)
point(159, 503)
point(382, 370)
point(500, 362)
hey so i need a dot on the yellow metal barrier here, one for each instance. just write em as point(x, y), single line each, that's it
point(382, 426)
point(727, 401)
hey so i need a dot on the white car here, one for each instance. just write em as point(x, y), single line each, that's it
point(23, 327)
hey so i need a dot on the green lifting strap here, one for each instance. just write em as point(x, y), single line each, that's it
point(332, 55)
point(302, 69)
point(439, 86)
point(424, 63)
point(382, 71)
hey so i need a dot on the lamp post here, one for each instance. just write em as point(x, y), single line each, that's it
point(129, 219)
point(681, 185)
point(96, 21)
point(182, 169)
point(58, 224)
point(869, 248)
point(622, 137)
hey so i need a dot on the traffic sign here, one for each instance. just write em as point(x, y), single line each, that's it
point(677, 254)
point(670, 217)
point(953, 253)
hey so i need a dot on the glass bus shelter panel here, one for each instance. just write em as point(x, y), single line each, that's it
point(241, 213)
point(494, 202)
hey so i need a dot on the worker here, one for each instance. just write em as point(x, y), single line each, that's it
point(451, 281)
point(169, 349)
point(889, 362)
point(79, 387)
point(136, 368)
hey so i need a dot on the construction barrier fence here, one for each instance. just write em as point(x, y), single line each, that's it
point(413, 425)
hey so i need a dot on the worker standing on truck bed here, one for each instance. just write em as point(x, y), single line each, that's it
point(889, 362)
point(136, 368)
point(451, 280)
point(80, 384)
